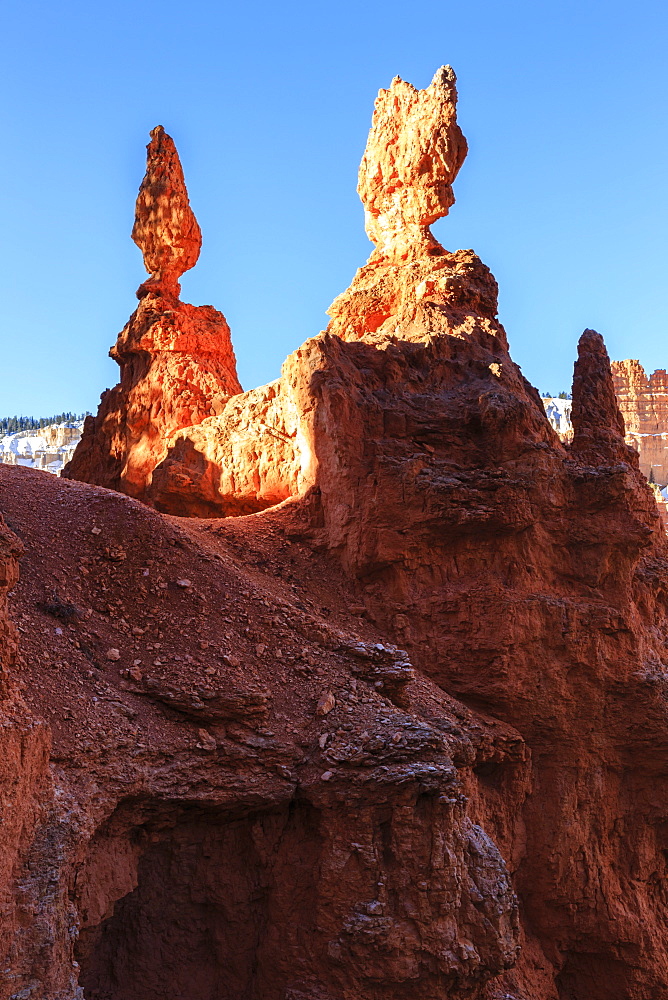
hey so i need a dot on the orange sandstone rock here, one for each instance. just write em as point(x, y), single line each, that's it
point(515, 610)
point(413, 154)
point(165, 230)
point(598, 426)
point(643, 402)
point(521, 574)
point(177, 362)
point(266, 444)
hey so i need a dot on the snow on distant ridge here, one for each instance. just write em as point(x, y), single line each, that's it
point(558, 412)
point(50, 448)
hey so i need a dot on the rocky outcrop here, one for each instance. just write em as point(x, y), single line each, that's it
point(598, 427)
point(265, 446)
point(515, 569)
point(643, 401)
point(165, 229)
point(177, 363)
point(413, 154)
point(256, 796)
point(402, 734)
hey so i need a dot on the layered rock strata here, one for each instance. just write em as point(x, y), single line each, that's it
point(643, 401)
point(404, 733)
point(176, 360)
point(50, 448)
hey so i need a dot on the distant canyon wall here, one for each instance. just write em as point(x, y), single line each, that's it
point(49, 448)
point(643, 403)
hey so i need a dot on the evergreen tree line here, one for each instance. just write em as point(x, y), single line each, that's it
point(561, 395)
point(10, 425)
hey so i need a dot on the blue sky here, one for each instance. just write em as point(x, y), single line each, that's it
point(562, 193)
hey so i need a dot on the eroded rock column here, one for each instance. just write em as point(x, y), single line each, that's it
point(177, 362)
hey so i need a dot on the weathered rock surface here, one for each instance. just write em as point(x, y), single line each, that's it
point(413, 154)
point(643, 401)
point(165, 230)
point(208, 832)
point(177, 363)
point(341, 734)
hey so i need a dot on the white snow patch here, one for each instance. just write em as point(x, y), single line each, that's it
point(48, 449)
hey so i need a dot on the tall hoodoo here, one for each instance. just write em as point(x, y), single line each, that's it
point(413, 154)
point(165, 230)
point(176, 360)
point(501, 568)
point(520, 575)
point(597, 423)
point(411, 286)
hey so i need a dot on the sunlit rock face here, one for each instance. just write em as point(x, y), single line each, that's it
point(643, 401)
point(267, 444)
point(413, 154)
point(176, 360)
point(165, 230)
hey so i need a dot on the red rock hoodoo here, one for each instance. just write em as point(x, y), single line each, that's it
point(404, 733)
point(643, 402)
point(177, 363)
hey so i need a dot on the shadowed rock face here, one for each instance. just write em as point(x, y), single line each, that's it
point(506, 729)
point(246, 801)
point(177, 362)
point(597, 423)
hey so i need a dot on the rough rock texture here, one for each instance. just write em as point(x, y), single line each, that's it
point(262, 448)
point(177, 363)
point(165, 229)
point(314, 753)
point(643, 402)
point(413, 154)
point(25, 798)
point(255, 795)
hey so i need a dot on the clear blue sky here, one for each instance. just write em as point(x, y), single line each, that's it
point(563, 193)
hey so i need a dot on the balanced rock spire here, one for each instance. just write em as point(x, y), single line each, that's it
point(165, 230)
point(176, 360)
point(413, 154)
